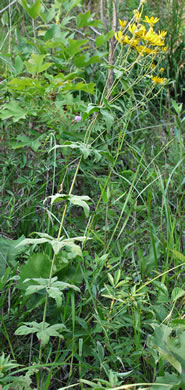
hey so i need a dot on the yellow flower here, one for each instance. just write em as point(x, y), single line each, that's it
point(122, 23)
point(143, 2)
point(164, 49)
point(133, 28)
point(119, 36)
point(151, 21)
point(162, 34)
point(153, 66)
point(145, 50)
point(133, 42)
point(158, 80)
point(153, 38)
point(125, 40)
point(137, 15)
point(138, 31)
point(161, 70)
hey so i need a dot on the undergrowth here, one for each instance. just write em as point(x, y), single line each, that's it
point(92, 228)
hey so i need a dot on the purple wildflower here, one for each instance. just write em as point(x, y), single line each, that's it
point(78, 118)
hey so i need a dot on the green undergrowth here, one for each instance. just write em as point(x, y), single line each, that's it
point(92, 209)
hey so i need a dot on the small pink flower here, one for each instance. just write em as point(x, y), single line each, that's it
point(78, 118)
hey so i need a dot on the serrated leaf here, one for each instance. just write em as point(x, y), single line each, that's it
point(26, 84)
point(13, 110)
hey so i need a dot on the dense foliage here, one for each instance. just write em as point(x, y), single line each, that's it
point(92, 209)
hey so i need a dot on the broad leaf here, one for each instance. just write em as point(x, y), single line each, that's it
point(32, 10)
point(177, 293)
point(84, 20)
point(108, 118)
point(8, 252)
point(73, 199)
point(13, 110)
point(101, 39)
point(43, 331)
point(36, 266)
point(35, 64)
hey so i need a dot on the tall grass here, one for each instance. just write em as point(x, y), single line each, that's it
point(93, 298)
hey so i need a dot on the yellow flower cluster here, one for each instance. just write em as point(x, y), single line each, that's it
point(143, 40)
point(159, 80)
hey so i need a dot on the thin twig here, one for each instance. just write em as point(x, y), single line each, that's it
point(9, 5)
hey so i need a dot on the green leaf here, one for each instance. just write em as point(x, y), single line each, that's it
point(74, 46)
point(43, 331)
point(168, 379)
point(100, 352)
point(86, 150)
point(111, 279)
point(9, 252)
point(19, 64)
point(101, 39)
point(89, 88)
point(53, 288)
point(177, 107)
point(108, 118)
point(6, 59)
point(35, 64)
point(79, 201)
point(84, 20)
point(90, 109)
point(36, 266)
point(117, 276)
point(87, 59)
point(56, 244)
point(13, 110)
point(161, 341)
point(26, 85)
point(177, 293)
point(56, 294)
point(167, 355)
point(177, 347)
point(34, 10)
point(104, 194)
point(73, 199)
point(179, 255)
point(127, 88)
point(25, 330)
point(28, 142)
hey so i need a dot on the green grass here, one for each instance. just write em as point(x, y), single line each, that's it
point(91, 279)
